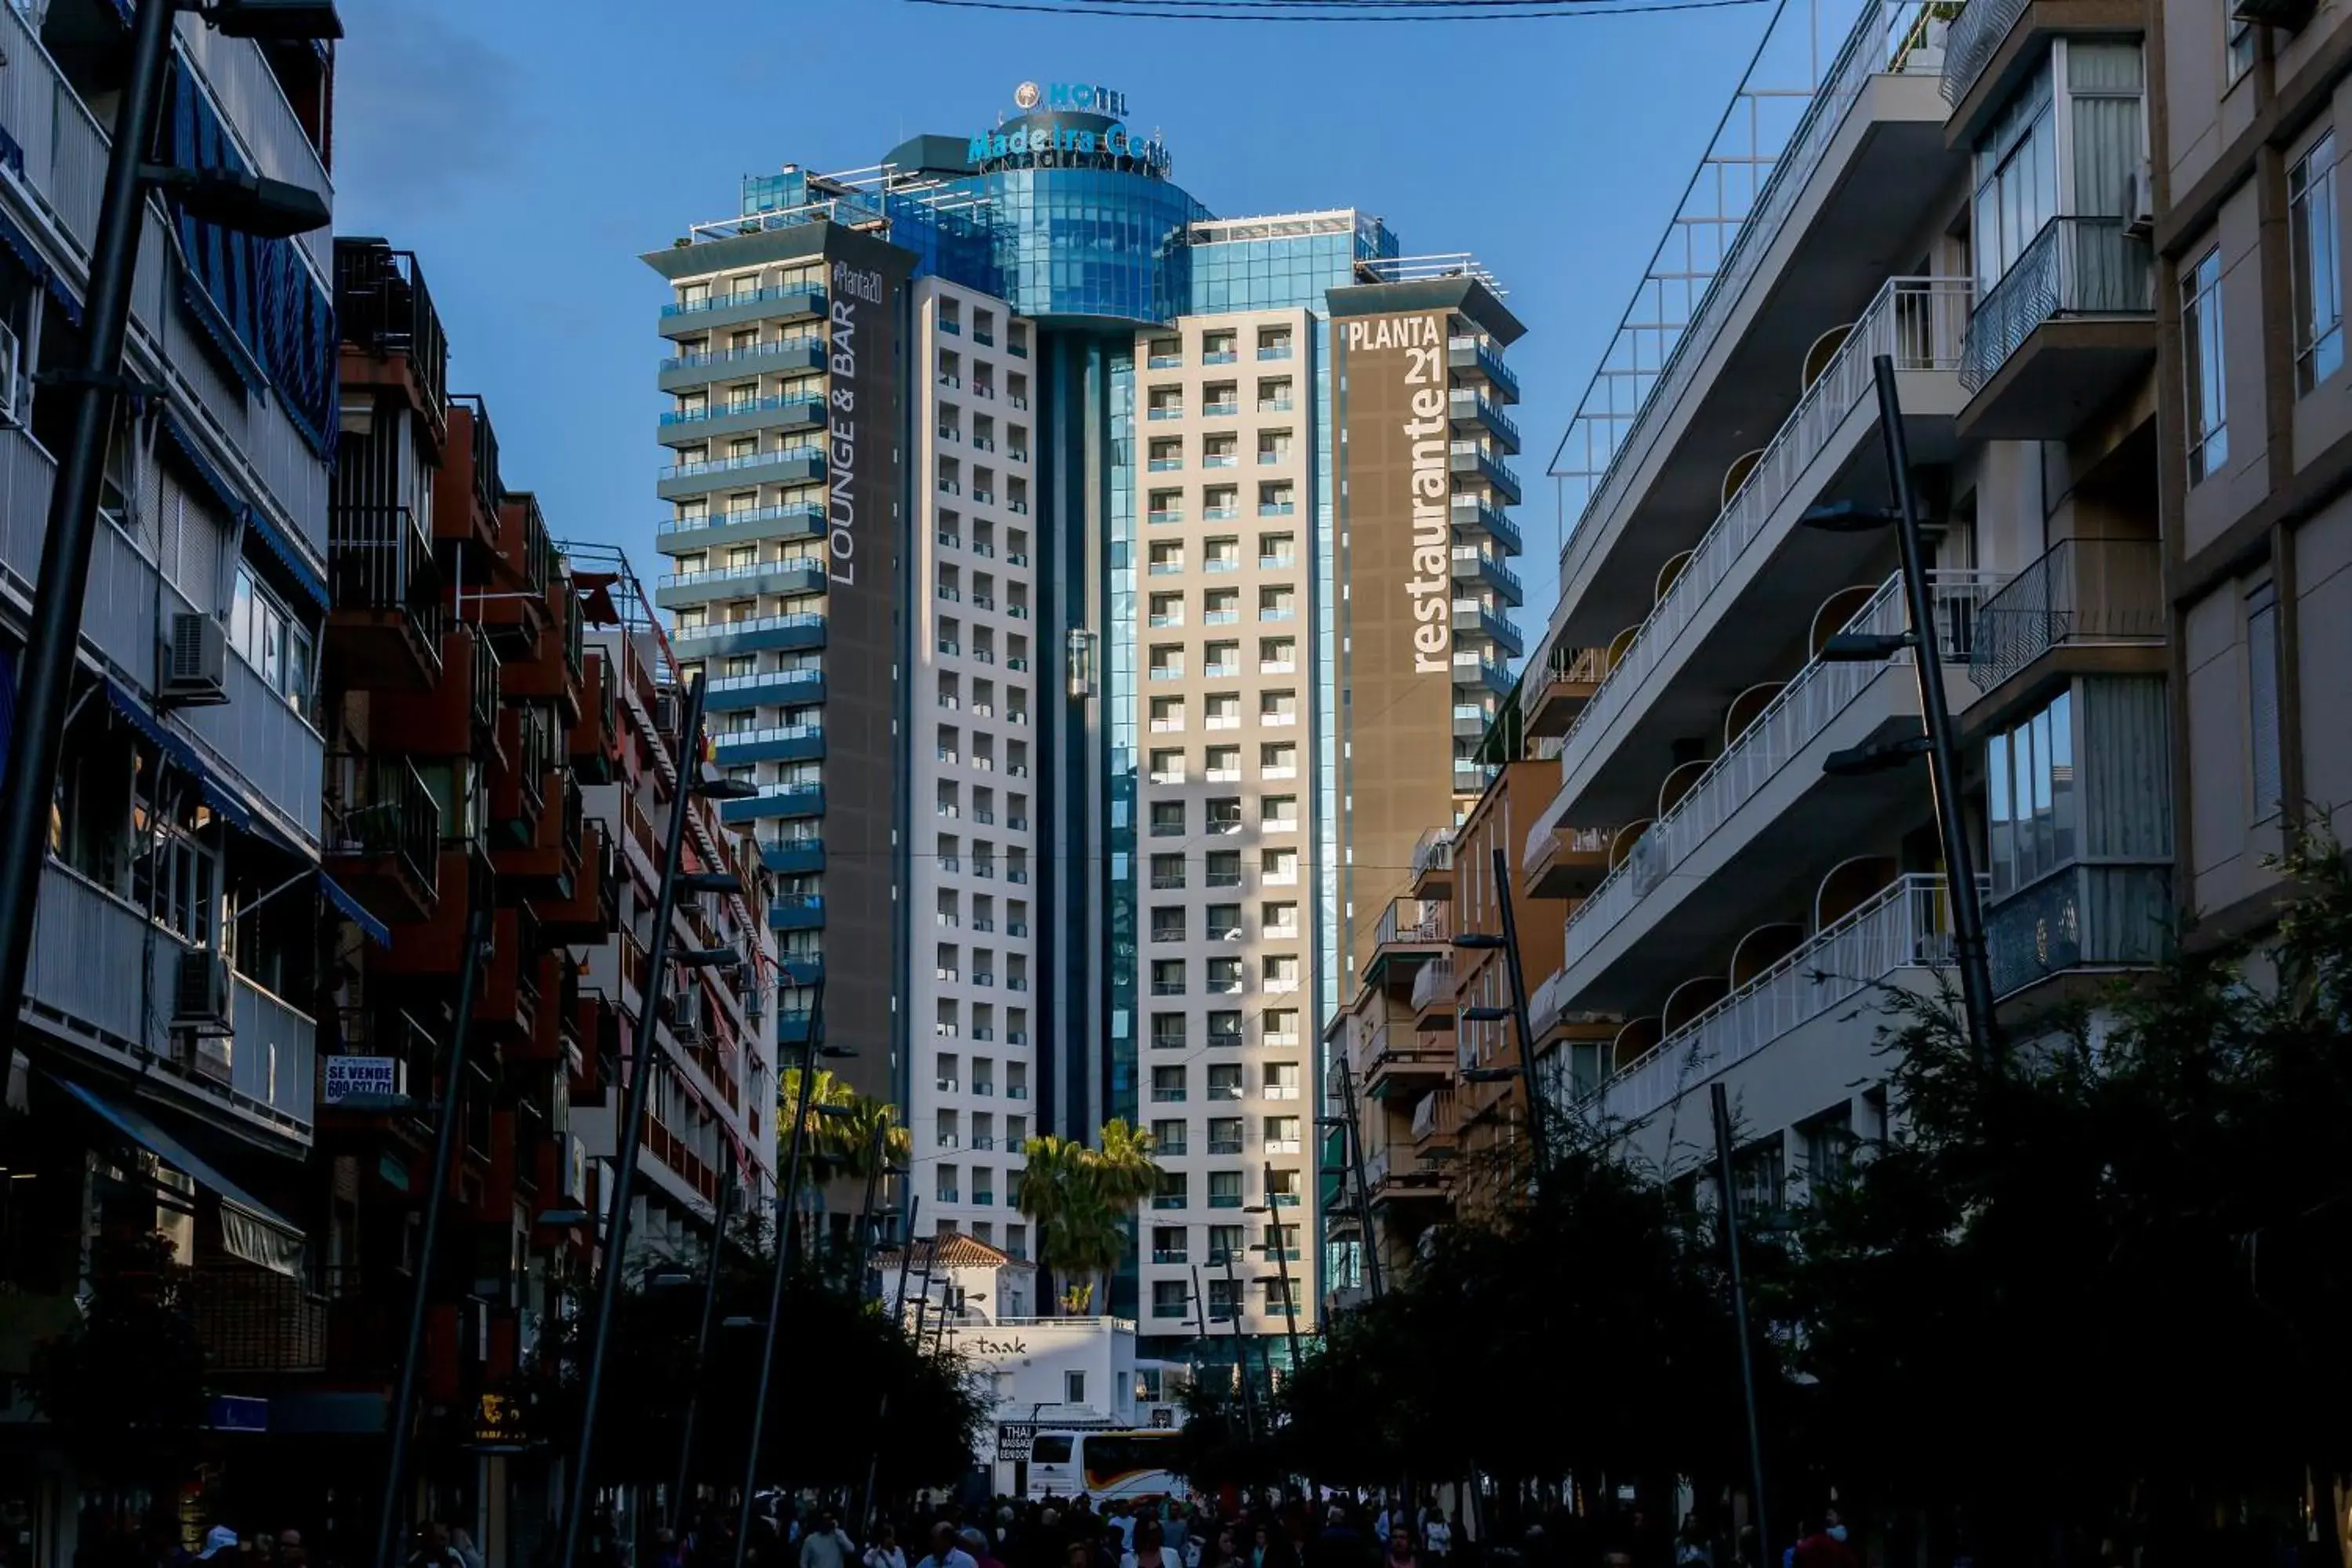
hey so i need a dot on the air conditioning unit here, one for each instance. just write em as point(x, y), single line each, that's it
point(2139, 203)
point(686, 1005)
point(195, 661)
point(200, 994)
point(576, 1173)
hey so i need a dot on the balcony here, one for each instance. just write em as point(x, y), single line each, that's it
point(1470, 354)
point(2068, 325)
point(796, 911)
point(1433, 864)
point(1787, 1040)
point(1394, 1176)
point(1473, 514)
point(1471, 459)
point(1663, 680)
point(792, 854)
point(717, 313)
point(1482, 568)
point(385, 618)
point(788, 799)
point(1719, 858)
point(701, 476)
point(765, 689)
point(392, 334)
point(741, 417)
point(382, 837)
point(1555, 692)
point(1433, 996)
point(1470, 411)
point(745, 525)
point(783, 578)
point(1568, 862)
point(753, 633)
point(101, 976)
point(1393, 1062)
point(2087, 606)
point(801, 353)
point(2082, 919)
point(773, 743)
point(1436, 1119)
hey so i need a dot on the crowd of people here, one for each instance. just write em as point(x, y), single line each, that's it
point(1345, 1530)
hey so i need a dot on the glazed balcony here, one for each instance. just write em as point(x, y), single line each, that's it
point(1994, 44)
point(392, 333)
point(382, 835)
point(2088, 606)
point(2069, 324)
point(2086, 919)
point(385, 618)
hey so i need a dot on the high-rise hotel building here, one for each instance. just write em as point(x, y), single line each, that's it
point(1103, 595)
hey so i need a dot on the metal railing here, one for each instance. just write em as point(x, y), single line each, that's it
point(1437, 1115)
point(2082, 917)
point(1906, 926)
point(265, 739)
point(2074, 267)
point(1414, 920)
point(1920, 322)
point(379, 559)
point(1975, 37)
point(383, 305)
point(1889, 36)
point(1805, 708)
point(1434, 852)
point(383, 806)
point(2080, 591)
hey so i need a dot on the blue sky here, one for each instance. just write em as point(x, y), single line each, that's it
point(530, 150)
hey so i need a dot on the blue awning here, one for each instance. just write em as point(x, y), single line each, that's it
point(250, 1229)
point(211, 788)
point(289, 555)
point(374, 930)
point(63, 294)
point(232, 500)
point(20, 246)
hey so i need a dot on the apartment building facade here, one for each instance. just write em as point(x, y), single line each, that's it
point(2246, 104)
point(163, 1077)
point(1965, 194)
point(1115, 525)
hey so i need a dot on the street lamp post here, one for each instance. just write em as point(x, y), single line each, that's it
point(898, 1316)
point(1282, 1261)
point(702, 1344)
point(1538, 1118)
point(811, 1047)
point(1730, 1195)
point(1941, 743)
point(93, 392)
point(629, 1134)
point(1241, 1345)
point(476, 955)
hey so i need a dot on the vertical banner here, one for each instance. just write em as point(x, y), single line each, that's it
point(866, 542)
point(1397, 675)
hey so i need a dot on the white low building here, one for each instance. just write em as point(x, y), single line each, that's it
point(1041, 1372)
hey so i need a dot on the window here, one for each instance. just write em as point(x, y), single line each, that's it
point(1168, 1086)
point(1281, 1081)
point(2028, 796)
point(2200, 335)
point(266, 634)
point(2237, 50)
point(1167, 1138)
point(2262, 701)
point(1221, 869)
point(2017, 181)
point(1225, 1138)
point(1227, 1241)
point(2318, 283)
point(1226, 1186)
point(1224, 1081)
point(1168, 1297)
point(173, 872)
point(1073, 1388)
point(1168, 815)
point(1166, 872)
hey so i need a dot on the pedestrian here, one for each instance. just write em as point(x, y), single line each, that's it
point(1692, 1549)
point(1437, 1538)
point(885, 1552)
point(976, 1543)
point(945, 1552)
point(1817, 1548)
point(217, 1539)
point(1401, 1553)
point(826, 1544)
point(434, 1550)
point(1148, 1550)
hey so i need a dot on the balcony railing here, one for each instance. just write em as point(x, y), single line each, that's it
point(1918, 320)
point(2083, 917)
point(1888, 36)
point(1433, 984)
point(384, 806)
point(2074, 267)
point(1907, 926)
point(382, 305)
point(1413, 920)
point(379, 559)
point(1804, 708)
point(1975, 37)
point(2082, 591)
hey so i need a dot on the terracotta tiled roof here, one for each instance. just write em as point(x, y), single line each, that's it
point(954, 1249)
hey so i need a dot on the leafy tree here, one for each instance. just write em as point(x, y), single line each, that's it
point(2099, 1290)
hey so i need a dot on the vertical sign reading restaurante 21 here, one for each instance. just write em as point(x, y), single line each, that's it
point(1396, 532)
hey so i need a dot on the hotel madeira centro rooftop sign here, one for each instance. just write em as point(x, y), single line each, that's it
point(1069, 125)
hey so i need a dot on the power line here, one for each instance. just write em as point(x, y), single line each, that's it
point(1416, 11)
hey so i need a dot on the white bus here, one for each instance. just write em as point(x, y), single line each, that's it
point(1106, 1466)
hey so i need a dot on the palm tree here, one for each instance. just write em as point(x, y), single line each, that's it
point(821, 1134)
point(1080, 1201)
point(871, 1122)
